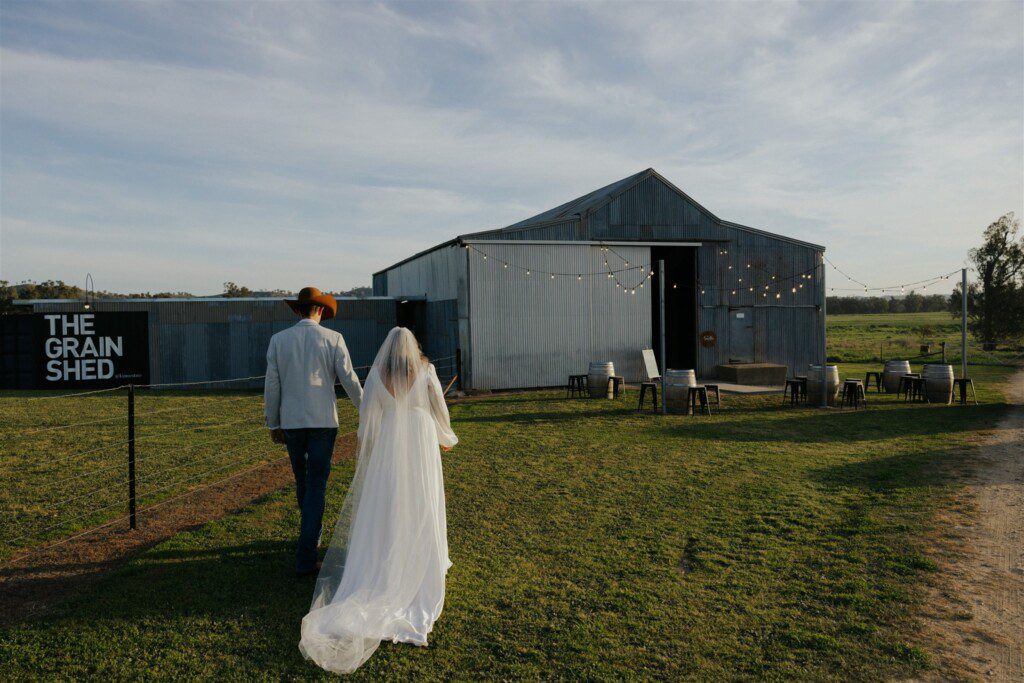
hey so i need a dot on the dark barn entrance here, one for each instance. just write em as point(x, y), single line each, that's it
point(680, 307)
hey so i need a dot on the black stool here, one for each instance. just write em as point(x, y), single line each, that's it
point(695, 394)
point(577, 386)
point(718, 394)
point(653, 388)
point(963, 383)
point(877, 376)
point(797, 390)
point(906, 386)
point(618, 382)
point(853, 393)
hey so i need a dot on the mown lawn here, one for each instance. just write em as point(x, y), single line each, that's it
point(588, 541)
point(64, 462)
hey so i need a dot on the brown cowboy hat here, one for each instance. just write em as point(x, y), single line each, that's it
point(312, 295)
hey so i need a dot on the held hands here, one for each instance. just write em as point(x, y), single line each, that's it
point(277, 435)
point(446, 448)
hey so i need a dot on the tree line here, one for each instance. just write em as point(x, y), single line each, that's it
point(58, 289)
point(912, 302)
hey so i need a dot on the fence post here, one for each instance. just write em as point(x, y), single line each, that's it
point(458, 368)
point(131, 455)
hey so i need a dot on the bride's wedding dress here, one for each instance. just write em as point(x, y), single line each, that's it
point(383, 577)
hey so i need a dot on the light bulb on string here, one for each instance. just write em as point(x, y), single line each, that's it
point(552, 276)
point(504, 265)
point(778, 295)
point(527, 272)
point(674, 286)
point(579, 277)
point(634, 291)
point(734, 291)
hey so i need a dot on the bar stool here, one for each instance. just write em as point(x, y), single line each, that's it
point(618, 383)
point(695, 394)
point(877, 376)
point(797, 390)
point(906, 386)
point(577, 386)
point(853, 393)
point(962, 385)
point(718, 394)
point(644, 388)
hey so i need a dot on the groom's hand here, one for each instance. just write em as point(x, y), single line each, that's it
point(277, 435)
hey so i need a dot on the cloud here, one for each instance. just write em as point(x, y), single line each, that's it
point(217, 135)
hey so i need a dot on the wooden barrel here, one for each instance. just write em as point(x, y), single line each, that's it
point(894, 369)
point(677, 383)
point(938, 382)
point(597, 379)
point(816, 384)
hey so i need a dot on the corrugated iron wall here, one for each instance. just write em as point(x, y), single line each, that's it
point(530, 330)
point(434, 275)
point(212, 340)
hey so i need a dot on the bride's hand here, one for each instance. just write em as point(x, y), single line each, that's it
point(446, 448)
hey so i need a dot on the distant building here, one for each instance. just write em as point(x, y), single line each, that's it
point(734, 294)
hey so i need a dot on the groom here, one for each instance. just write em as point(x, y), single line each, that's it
point(299, 403)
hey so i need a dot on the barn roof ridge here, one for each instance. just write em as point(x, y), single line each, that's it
point(585, 204)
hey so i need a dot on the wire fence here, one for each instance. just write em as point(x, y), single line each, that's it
point(74, 463)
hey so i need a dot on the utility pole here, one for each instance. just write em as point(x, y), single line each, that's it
point(661, 331)
point(824, 334)
point(963, 323)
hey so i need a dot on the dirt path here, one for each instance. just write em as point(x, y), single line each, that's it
point(33, 583)
point(977, 619)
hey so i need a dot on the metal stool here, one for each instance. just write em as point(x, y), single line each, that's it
point(853, 393)
point(577, 386)
point(695, 394)
point(797, 390)
point(877, 376)
point(718, 394)
point(906, 386)
point(962, 384)
point(618, 382)
point(644, 387)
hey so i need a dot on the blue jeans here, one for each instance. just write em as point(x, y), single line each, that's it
point(310, 451)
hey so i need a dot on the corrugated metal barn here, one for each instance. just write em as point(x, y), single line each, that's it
point(536, 301)
point(208, 340)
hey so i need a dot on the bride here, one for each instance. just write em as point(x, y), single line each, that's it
point(383, 575)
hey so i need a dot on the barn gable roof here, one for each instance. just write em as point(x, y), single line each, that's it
point(592, 201)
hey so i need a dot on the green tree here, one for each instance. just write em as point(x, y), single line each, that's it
point(995, 304)
point(233, 291)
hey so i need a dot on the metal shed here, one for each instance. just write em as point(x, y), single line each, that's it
point(538, 300)
point(213, 339)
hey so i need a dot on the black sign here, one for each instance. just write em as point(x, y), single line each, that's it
point(90, 350)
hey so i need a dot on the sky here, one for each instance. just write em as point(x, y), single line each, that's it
point(168, 146)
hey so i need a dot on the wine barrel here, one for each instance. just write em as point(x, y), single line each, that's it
point(938, 382)
point(597, 379)
point(894, 369)
point(677, 384)
point(816, 384)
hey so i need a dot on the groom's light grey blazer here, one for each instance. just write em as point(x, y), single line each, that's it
point(302, 364)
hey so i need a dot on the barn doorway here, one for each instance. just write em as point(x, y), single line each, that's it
point(680, 307)
point(412, 313)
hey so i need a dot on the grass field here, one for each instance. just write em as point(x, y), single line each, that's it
point(588, 541)
point(59, 480)
point(883, 336)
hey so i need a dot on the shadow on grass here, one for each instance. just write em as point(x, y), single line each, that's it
point(835, 426)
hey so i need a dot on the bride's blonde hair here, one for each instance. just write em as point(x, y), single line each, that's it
point(400, 360)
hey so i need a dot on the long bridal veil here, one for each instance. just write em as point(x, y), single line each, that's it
point(383, 575)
